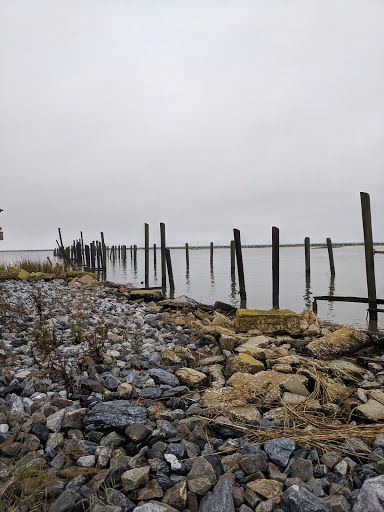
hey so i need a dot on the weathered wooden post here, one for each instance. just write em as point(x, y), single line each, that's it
point(131, 251)
point(87, 256)
point(135, 255)
point(82, 249)
point(211, 254)
point(163, 256)
point(233, 257)
point(154, 256)
point(187, 255)
point(169, 267)
point(330, 255)
point(275, 267)
point(98, 253)
point(240, 269)
point(307, 249)
point(146, 254)
point(369, 254)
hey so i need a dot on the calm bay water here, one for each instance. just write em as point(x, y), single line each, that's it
point(296, 292)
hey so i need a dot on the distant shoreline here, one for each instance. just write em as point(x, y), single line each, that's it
point(335, 245)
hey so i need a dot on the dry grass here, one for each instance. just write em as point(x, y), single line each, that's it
point(35, 266)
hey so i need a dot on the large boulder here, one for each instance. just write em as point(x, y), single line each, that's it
point(277, 321)
point(338, 343)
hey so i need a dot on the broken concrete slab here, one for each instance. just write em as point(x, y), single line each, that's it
point(338, 343)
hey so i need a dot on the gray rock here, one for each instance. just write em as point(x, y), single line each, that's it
point(117, 499)
point(15, 403)
point(163, 377)
point(201, 477)
point(379, 441)
point(245, 508)
point(66, 501)
point(176, 449)
point(371, 496)
point(134, 478)
point(253, 462)
point(155, 506)
point(117, 413)
point(339, 503)
point(299, 499)
point(303, 469)
point(219, 500)
point(279, 450)
point(150, 392)
point(110, 382)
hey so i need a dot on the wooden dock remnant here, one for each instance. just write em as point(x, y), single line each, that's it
point(275, 267)
point(163, 256)
point(240, 268)
point(330, 255)
point(307, 250)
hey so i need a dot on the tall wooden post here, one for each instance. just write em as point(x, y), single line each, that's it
point(82, 249)
point(240, 269)
point(154, 256)
point(369, 254)
point(169, 267)
point(211, 254)
point(330, 255)
point(135, 255)
point(146, 256)
point(163, 256)
point(187, 255)
point(275, 268)
point(307, 249)
point(233, 257)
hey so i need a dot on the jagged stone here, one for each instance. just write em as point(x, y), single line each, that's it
point(338, 343)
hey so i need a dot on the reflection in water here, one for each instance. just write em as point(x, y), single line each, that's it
point(373, 324)
point(135, 267)
point(331, 292)
point(212, 278)
point(187, 280)
point(155, 276)
point(233, 294)
point(308, 293)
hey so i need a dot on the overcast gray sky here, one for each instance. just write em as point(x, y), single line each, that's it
point(206, 115)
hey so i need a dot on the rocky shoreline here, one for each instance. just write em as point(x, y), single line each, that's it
point(112, 403)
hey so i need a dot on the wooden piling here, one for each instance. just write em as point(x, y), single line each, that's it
point(87, 256)
point(169, 268)
point(82, 249)
point(233, 257)
point(135, 254)
point(211, 255)
point(163, 256)
point(104, 249)
point(330, 255)
point(146, 254)
point(240, 269)
point(369, 254)
point(307, 250)
point(187, 255)
point(275, 267)
point(98, 253)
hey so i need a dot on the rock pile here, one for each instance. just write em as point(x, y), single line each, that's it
point(113, 404)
